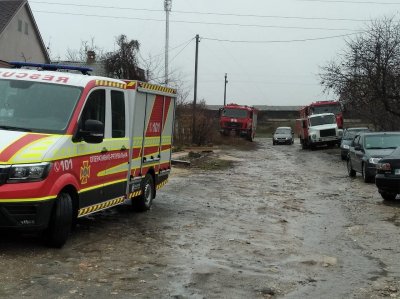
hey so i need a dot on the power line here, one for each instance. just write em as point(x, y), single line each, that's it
point(171, 49)
point(351, 2)
point(181, 50)
point(205, 13)
point(278, 41)
point(195, 22)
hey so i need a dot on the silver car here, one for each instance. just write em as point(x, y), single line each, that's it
point(283, 135)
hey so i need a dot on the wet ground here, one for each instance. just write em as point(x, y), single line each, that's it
point(279, 222)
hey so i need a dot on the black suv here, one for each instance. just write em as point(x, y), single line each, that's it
point(367, 149)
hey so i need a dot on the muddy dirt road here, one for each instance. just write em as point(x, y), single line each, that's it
point(280, 223)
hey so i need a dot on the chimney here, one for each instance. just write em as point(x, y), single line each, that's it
point(91, 57)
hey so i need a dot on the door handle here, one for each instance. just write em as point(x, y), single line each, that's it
point(104, 150)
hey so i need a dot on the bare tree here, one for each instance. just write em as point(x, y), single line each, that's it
point(367, 76)
point(81, 54)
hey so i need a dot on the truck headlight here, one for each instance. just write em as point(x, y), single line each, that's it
point(345, 146)
point(374, 160)
point(313, 136)
point(28, 172)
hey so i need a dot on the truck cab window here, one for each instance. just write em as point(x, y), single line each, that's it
point(118, 114)
point(95, 107)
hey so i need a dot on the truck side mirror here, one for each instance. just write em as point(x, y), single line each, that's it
point(93, 132)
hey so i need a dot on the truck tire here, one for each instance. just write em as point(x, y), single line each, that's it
point(350, 171)
point(367, 178)
point(145, 200)
point(250, 136)
point(60, 223)
point(303, 144)
point(388, 196)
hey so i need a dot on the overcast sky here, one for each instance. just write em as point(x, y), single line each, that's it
point(256, 42)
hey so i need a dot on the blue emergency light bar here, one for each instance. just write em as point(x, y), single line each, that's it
point(51, 67)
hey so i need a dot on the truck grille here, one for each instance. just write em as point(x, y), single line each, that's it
point(328, 132)
point(233, 125)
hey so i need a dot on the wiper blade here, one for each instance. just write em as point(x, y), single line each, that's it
point(10, 128)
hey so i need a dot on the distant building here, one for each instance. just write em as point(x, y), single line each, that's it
point(20, 39)
point(91, 62)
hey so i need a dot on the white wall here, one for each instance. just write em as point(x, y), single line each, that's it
point(17, 45)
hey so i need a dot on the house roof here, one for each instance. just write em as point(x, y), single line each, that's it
point(9, 8)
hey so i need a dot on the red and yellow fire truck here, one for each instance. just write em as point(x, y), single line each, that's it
point(320, 107)
point(237, 119)
point(74, 144)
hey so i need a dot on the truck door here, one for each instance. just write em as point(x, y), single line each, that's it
point(89, 163)
point(166, 136)
point(152, 137)
point(116, 144)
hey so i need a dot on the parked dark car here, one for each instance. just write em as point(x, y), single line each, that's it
point(367, 149)
point(283, 135)
point(387, 177)
point(347, 139)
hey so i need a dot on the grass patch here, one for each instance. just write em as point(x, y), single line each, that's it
point(207, 163)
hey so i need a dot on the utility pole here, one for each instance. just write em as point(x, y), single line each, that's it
point(195, 89)
point(167, 8)
point(226, 81)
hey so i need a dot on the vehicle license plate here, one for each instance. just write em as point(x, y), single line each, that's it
point(397, 171)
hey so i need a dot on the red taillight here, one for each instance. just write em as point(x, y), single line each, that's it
point(383, 167)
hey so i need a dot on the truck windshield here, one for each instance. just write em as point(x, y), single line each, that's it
point(382, 141)
point(322, 120)
point(35, 106)
point(234, 113)
point(335, 109)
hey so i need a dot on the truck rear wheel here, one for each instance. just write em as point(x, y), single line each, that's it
point(303, 144)
point(145, 200)
point(250, 136)
point(60, 222)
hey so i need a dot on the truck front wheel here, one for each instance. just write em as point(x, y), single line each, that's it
point(250, 136)
point(144, 201)
point(60, 222)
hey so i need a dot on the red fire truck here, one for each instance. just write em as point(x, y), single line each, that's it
point(237, 119)
point(320, 107)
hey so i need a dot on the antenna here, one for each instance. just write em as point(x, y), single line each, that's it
point(167, 8)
